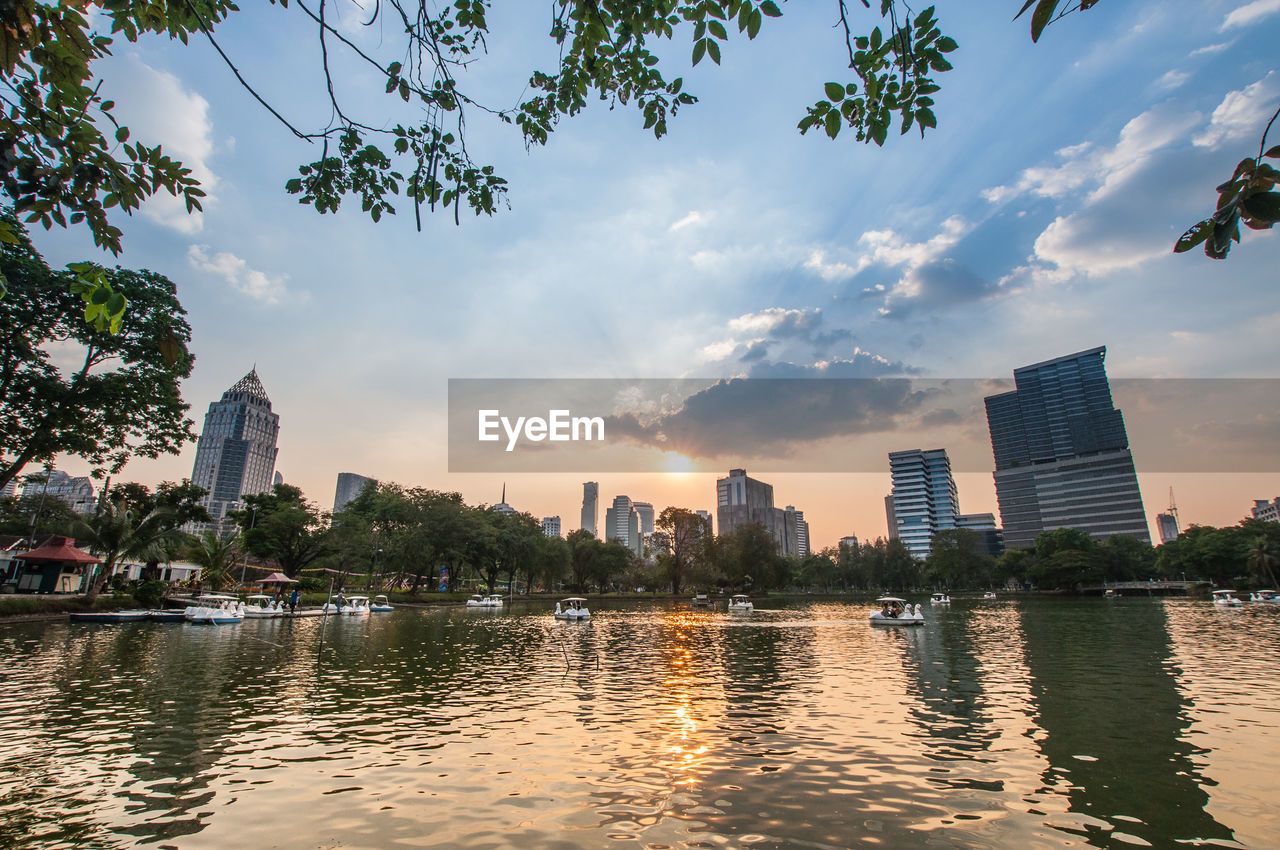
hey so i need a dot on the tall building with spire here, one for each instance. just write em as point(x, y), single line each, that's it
point(236, 452)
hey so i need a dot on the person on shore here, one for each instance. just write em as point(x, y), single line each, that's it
point(293, 601)
point(341, 600)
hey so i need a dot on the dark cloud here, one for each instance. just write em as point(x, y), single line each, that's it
point(767, 417)
point(938, 284)
point(755, 351)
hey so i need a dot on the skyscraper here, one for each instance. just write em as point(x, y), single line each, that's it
point(645, 511)
point(236, 452)
point(590, 506)
point(622, 523)
point(741, 500)
point(1062, 455)
point(924, 499)
point(551, 526)
point(797, 533)
point(349, 486)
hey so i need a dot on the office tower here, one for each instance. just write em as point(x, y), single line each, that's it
point(1266, 511)
point(984, 525)
point(645, 511)
point(796, 533)
point(551, 526)
point(622, 523)
point(76, 491)
point(741, 500)
point(1167, 525)
point(236, 452)
point(349, 486)
point(590, 506)
point(849, 542)
point(707, 516)
point(924, 497)
point(10, 489)
point(890, 517)
point(1062, 455)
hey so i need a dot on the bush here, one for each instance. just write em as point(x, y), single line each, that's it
point(150, 594)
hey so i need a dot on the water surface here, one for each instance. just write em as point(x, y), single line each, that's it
point(1019, 723)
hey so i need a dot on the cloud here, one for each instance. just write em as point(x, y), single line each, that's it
point(1250, 12)
point(937, 283)
point(155, 106)
point(752, 335)
point(1172, 80)
point(1242, 112)
point(692, 218)
point(766, 417)
point(817, 262)
point(1103, 168)
point(269, 289)
point(1212, 48)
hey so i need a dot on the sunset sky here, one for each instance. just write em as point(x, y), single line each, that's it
point(1035, 222)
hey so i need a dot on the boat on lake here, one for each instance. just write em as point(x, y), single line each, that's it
point(169, 615)
point(490, 601)
point(895, 612)
point(989, 596)
point(381, 604)
point(700, 600)
point(215, 609)
point(108, 616)
point(352, 606)
point(937, 599)
point(259, 605)
point(573, 608)
point(741, 603)
point(1226, 598)
point(1264, 596)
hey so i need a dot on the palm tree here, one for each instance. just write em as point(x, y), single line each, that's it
point(1262, 557)
point(215, 556)
point(117, 532)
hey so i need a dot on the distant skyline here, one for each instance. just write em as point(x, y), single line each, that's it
point(1037, 220)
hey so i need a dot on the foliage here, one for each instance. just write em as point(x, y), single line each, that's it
point(283, 527)
point(49, 515)
point(121, 401)
point(215, 556)
point(685, 540)
point(1248, 197)
point(117, 532)
point(150, 594)
point(956, 560)
point(747, 559)
point(1203, 552)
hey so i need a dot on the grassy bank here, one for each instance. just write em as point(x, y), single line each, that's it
point(36, 606)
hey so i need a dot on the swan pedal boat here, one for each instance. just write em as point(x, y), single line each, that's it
point(989, 596)
point(353, 606)
point(216, 610)
point(259, 605)
point(1226, 598)
point(741, 603)
point(490, 601)
point(937, 599)
point(381, 604)
point(895, 612)
point(573, 608)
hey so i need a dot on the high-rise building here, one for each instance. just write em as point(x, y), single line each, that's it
point(10, 489)
point(924, 497)
point(77, 491)
point(349, 486)
point(1062, 455)
point(645, 510)
point(705, 515)
point(849, 542)
point(1266, 511)
point(236, 452)
point(741, 500)
point(1167, 525)
point(622, 523)
point(984, 525)
point(797, 533)
point(591, 506)
point(551, 526)
point(890, 518)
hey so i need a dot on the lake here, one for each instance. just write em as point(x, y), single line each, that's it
point(1015, 723)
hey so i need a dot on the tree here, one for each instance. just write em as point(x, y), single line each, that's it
point(117, 532)
point(121, 401)
point(955, 560)
point(686, 535)
point(64, 160)
point(215, 556)
point(1262, 558)
point(283, 527)
point(35, 514)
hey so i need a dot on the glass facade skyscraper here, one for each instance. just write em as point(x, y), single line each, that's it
point(1062, 455)
point(236, 452)
point(924, 499)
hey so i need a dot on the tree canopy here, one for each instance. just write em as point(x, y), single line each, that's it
point(65, 160)
point(119, 397)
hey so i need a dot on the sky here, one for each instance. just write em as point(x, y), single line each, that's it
point(1036, 221)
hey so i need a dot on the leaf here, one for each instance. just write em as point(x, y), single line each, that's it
point(833, 123)
point(771, 9)
point(1274, 153)
point(699, 48)
point(1040, 17)
point(1264, 206)
point(713, 50)
point(946, 44)
point(1025, 7)
point(835, 92)
point(1193, 237)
